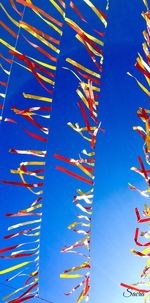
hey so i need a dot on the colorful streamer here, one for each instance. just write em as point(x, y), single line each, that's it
point(142, 64)
point(87, 93)
point(31, 117)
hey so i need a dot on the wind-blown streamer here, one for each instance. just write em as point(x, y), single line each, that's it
point(15, 35)
point(143, 66)
point(82, 168)
point(31, 117)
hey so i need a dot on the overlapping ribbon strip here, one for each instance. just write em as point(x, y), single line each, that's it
point(32, 120)
point(143, 65)
point(82, 167)
point(6, 63)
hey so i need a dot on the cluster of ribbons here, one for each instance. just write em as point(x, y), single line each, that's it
point(82, 167)
point(143, 65)
point(30, 118)
point(6, 63)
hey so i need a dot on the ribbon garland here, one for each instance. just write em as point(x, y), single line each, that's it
point(82, 168)
point(30, 173)
point(143, 65)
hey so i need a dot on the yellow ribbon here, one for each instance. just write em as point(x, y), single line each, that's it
point(96, 11)
point(5, 271)
point(66, 276)
point(9, 17)
point(58, 7)
point(34, 97)
point(76, 64)
point(141, 85)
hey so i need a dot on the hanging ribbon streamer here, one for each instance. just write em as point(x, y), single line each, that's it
point(82, 167)
point(31, 118)
point(142, 64)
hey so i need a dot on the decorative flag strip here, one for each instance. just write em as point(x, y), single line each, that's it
point(82, 168)
point(143, 66)
point(31, 116)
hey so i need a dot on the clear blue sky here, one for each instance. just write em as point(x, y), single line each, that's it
point(114, 220)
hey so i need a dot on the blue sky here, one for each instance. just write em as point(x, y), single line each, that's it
point(114, 220)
